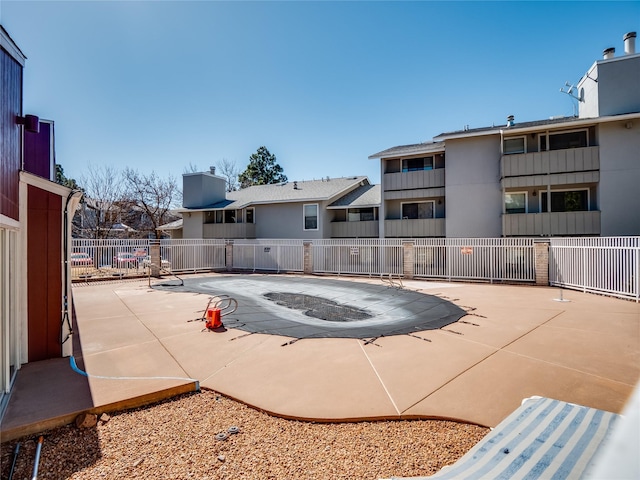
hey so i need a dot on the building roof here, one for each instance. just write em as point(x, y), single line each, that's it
point(298, 191)
point(495, 129)
point(517, 127)
point(362, 197)
point(7, 43)
point(175, 225)
point(406, 150)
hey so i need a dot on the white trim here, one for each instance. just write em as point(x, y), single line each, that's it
point(524, 144)
point(44, 184)
point(434, 147)
point(541, 191)
point(578, 122)
point(361, 208)
point(9, 223)
point(254, 215)
point(304, 226)
point(548, 133)
point(526, 201)
point(420, 157)
point(421, 201)
point(12, 49)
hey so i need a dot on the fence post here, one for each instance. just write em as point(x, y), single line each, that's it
point(408, 258)
point(542, 262)
point(228, 252)
point(307, 263)
point(154, 252)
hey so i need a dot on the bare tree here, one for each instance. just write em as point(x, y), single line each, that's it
point(152, 198)
point(103, 202)
point(230, 170)
point(191, 168)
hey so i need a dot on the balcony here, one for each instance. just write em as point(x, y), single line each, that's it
point(413, 180)
point(429, 227)
point(551, 223)
point(229, 230)
point(366, 229)
point(570, 166)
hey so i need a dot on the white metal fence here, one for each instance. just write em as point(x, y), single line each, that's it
point(105, 258)
point(108, 257)
point(358, 256)
point(269, 255)
point(607, 265)
point(193, 255)
point(493, 259)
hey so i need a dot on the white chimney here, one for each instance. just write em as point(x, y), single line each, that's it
point(608, 53)
point(630, 43)
point(510, 120)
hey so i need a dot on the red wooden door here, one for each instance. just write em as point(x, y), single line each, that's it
point(44, 274)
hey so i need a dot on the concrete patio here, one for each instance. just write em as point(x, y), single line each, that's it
point(140, 344)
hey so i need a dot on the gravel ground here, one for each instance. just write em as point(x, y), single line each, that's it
point(176, 439)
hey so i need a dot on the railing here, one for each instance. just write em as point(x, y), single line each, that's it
point(354, 229)
point(607, 265)
point(358, 256)
point(106, 258)
point(408, 228)
point(413, 180)
point(91, 259)
point(549, 162)
point(551, 223)
point(229, 230)
point(492, 259)
point(193, 255)
point(268, 254)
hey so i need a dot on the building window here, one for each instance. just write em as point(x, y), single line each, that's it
point(419, 210)
point(564, 140)
point(566, 201)
point(360, 214)
point(417, 164)
point(310, 216)
point(219, 216)
point(515, 202)
point(513, 145)
point(229, 216)
point(249, 213)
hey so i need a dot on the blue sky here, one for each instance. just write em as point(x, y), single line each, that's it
point(160, 85)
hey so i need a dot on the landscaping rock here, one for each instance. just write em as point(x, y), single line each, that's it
point(86, 420)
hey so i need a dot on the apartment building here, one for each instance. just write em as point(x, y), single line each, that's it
point(554, 177)
point(325, 208)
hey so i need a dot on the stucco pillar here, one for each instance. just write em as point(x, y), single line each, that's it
point(541, 250)
point(408, 259)
point(308, 258)
point(228, 251)
point(154, 252)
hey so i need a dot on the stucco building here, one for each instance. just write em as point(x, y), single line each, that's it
point(326, 208)
point(554, 177)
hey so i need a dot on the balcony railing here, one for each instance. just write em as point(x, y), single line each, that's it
point(365, 229)
point(555, 161)
point(413, 180)
point(229, 230)
point(428, 227)
point(551, 223)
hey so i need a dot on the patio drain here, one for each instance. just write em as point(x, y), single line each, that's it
point(318, 307)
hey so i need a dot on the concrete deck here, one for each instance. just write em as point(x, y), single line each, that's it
point(137, 346)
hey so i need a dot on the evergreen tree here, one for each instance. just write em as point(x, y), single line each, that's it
point(262, 170)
